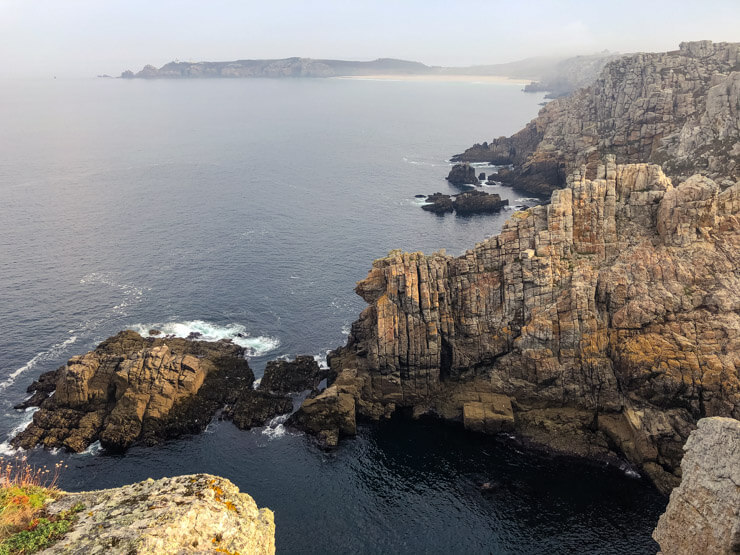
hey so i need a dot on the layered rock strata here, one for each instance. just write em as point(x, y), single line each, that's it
point(197, 513)
point(134, 389)
point(679, 109)
point(703, 514)
point(603, 324)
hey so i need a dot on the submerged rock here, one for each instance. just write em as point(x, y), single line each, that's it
point(462, 174)
point(198, 513)
point(133, 389)
point(609, 319)
point(703, 514)
point(283, 376)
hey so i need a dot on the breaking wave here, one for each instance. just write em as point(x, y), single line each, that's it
point(207, 331)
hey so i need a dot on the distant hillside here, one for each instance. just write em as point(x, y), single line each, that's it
point(571, 74)
point(287, 67)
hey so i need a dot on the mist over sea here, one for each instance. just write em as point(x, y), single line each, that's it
point(248, 209)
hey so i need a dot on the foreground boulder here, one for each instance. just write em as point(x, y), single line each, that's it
point(703, 515)
point(198, 513)
point(133, 389)
point(462, 174)
point(609, 319)
point(677, 109)
point(287, 376)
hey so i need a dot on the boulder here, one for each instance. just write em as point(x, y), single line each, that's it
point(462, 174)
point(256, 408)
point(301, 374)
point(481, 176)
point(197, 513)
point(438, 203)
point(703, 514)
point(478, 202)
point(328, 415)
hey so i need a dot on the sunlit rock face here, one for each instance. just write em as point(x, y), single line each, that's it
point(604, 323)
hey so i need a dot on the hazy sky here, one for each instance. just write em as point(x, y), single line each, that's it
point(85, 37)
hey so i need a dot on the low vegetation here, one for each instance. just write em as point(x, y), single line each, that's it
point(25, 526)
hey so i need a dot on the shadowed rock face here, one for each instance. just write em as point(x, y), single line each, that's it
point(703, 515)
point(605, 323)
point(677, 109)
point(197, 513)
point(135, 389)
point(462, 174)
point(283, 376)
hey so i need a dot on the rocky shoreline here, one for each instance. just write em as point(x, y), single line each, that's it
point(132, 389)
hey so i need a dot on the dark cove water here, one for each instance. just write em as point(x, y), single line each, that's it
point(253, 206)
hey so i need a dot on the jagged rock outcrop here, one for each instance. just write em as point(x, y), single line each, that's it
point(132, 389)
point(703, 514)
point(438, 203)
point(462, 174)
point(286, 376)
point(679, 109)
point(196, 513)
point(478, 202)
point(469, 202)
point(609, 319)
point(328, 415)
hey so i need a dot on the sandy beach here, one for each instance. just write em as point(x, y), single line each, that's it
point(441, 78)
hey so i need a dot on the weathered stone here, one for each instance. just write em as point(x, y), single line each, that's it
point(609, 317)
point(256, 408)
point(491, 417)
point(329, 416)
point(678, 109)
point(462, 174)
point(478, 202)
point(438, 203)
point(197, 513)
point(703, 514)
point(283, 376)
point(135, 389)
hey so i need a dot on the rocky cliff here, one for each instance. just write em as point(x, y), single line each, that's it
point(604, 324)
point(199, 513)
point(132, 388)
point(703, 514)
point(679, 109)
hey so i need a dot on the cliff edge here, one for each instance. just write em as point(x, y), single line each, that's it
point(703, 514)
point(605, 324)
point(678, 109)
point(197, 513)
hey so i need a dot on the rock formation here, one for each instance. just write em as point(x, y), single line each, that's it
point(703, 514)
point(478, 202)
point(198, 513)
point(679, 109)
point(438, 203)
point(571, 74)
point(603, 324)
point(284, 376)
point(469, 202)
point(462, 174)
point(132, 389)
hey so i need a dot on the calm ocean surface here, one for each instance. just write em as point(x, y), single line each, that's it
point(254, 206)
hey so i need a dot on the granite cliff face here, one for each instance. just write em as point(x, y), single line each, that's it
point(133, 389)
point(703, 514)
point(198, 513)
point(603, 324)
point(679, 109)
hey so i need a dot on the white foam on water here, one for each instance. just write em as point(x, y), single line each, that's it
point(52, 352)
point(346, 328)
point(256, 383)
point(321, 360)
point(5, 447)
point(254, 346)
point(274, 428)
point(93, 449)
point(527, 199)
